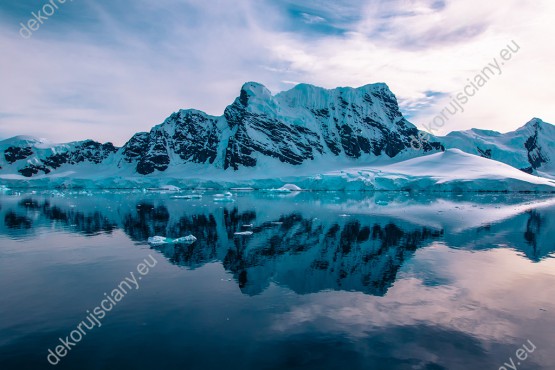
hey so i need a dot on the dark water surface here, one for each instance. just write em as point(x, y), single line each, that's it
point(325, 281)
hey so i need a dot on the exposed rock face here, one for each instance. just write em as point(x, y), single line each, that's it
point(536, 155)
point(255, 132)
point(13, 153)
point(293, 127)
point(191, 136)
point(74, 153)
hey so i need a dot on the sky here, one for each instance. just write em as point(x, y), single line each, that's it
point(105, 70)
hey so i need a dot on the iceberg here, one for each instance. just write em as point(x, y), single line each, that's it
point(185, 239)
point(279, 190)
point(165, 188)
point(189, 196)
point(290, 187)
point(227, 194)
point(224, 200)
point(246, 233)
point(287, 188)
point(161, 240)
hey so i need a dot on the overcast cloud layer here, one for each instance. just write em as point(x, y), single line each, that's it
point(105, 70)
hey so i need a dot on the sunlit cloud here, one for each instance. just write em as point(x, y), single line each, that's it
point(105, 71)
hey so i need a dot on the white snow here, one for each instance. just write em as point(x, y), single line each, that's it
point(452, 170)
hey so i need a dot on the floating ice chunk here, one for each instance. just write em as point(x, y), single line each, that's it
point(279, 190)
point(160, 240)
point(164, 188)
point(344, 215)
point(291, 187)
point(224, 200)
point(276, 222)
point(247, 225)
point(189, 196)
point(228, 194)
point(287, 188)
point(244, 233)
point(382, 203)
point(170, 188)
point(185, 239)
point(4, 188)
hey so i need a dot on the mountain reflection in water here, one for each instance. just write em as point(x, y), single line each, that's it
point(308, 242)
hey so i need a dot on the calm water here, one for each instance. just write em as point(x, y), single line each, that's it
point(325, 281)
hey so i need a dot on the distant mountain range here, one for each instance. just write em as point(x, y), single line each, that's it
point(531, 148)
point(261, 134)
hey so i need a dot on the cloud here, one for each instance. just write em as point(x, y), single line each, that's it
point(107, 70)
point(310, 19)
point(426, 47)
point(460, 303)
point(113, 78)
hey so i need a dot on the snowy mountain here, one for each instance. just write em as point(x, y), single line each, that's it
point(303, 134)
point(531, 148)
point(31, 156)
point(303, 124)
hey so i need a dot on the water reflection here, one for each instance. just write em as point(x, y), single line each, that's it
point(308, 250)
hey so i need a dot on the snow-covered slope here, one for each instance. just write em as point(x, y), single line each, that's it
point(452, 170)
point(531, 148)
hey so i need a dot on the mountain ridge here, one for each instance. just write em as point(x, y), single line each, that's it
point(304, 125)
